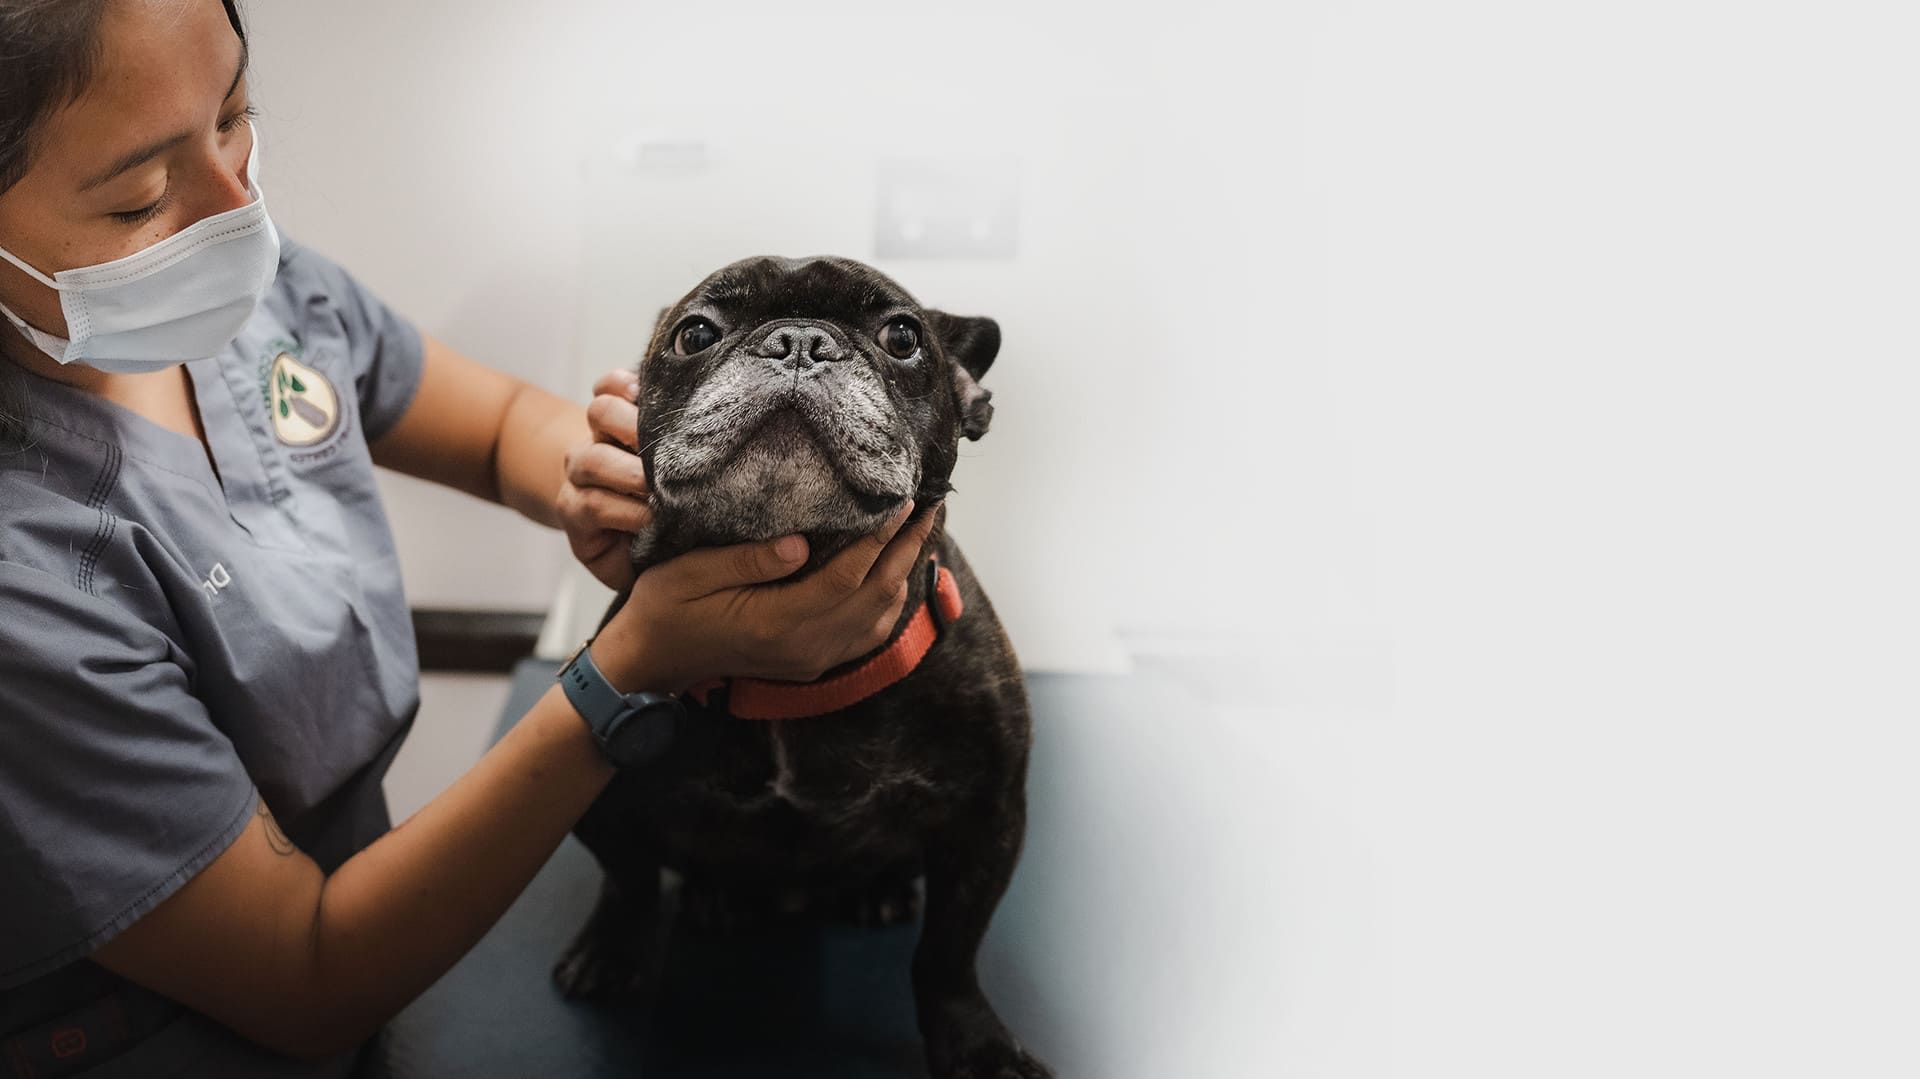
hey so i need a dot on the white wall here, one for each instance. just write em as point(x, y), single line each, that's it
point(397, 144)
point(463, 158)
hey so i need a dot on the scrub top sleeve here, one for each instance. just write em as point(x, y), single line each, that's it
point(386, 351)
point(116, 786)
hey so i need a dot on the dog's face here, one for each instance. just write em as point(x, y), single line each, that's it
point(803, 395)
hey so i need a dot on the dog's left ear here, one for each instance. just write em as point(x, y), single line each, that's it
point(970, 344)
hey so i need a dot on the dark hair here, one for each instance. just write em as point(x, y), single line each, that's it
point(48, 51)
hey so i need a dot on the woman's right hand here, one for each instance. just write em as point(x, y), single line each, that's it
point(721, 612)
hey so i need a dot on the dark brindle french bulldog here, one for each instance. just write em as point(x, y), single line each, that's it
point(816, 396)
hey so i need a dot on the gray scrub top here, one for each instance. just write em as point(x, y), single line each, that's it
point(178, 644)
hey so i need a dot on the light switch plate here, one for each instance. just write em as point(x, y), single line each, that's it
point(947, 208)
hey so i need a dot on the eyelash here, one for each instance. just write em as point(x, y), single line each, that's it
point(247, 113)
point(142, 216)
point(148, 213)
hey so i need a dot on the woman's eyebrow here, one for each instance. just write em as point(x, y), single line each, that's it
point(147, 153)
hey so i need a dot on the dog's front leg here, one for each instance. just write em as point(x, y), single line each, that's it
point(616, 951)
point(968, 868)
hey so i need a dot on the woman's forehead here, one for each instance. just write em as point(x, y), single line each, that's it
point(163, 68)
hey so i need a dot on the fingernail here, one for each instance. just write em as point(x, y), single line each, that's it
point(790, 548)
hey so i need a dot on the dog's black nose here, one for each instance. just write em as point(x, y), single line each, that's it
point(800, 347)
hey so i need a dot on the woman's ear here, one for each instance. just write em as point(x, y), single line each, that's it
point(970, 344)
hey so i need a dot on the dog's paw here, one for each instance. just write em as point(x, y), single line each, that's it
point(884, 903)
point(593, 970)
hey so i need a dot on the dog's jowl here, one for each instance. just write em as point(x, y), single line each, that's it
point(816, 396)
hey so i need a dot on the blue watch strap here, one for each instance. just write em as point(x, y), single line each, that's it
point(591, 695)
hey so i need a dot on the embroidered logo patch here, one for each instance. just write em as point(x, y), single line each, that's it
point(304, 407)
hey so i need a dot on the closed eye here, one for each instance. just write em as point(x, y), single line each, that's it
point(145, 213)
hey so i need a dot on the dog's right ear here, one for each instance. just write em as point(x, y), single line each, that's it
point(971, 344)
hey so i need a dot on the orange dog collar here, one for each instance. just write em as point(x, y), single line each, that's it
point(756, 698)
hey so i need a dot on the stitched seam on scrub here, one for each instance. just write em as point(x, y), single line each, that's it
point(102, 532)
point(141, 457)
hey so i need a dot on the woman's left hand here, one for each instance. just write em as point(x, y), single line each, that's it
point(604, 499)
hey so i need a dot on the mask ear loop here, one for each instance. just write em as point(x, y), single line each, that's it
point(39, 338)
point(30, 271)
point(56, 347)
point(253, 159)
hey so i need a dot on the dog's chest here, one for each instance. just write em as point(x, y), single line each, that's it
point(781, 784)
point(811, 790)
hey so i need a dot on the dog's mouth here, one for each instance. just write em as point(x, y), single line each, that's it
point(774, 460)
point(780, 423)
point(788, 433)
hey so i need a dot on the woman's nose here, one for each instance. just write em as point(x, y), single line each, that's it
point(227, 187)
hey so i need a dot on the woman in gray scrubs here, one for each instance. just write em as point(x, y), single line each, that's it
point(205, 657)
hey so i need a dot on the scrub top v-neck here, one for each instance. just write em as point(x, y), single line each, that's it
point(178, 644)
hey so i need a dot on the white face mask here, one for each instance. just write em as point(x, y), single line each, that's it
point(185, 298)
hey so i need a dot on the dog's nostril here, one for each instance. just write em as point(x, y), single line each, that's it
point(800, 348)
point(826, 349)
point(775, 345)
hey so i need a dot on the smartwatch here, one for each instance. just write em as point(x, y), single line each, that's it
point(632, 728)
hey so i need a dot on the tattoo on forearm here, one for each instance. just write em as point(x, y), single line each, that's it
point(276, 838)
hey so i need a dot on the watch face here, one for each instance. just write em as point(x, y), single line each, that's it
point(644, 734)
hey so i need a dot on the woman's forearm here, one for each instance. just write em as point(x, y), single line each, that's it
point(485, 432)
point(310, 964)
point(398, 914)
point(530, 458)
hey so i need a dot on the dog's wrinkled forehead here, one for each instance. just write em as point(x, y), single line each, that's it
point(763, 289)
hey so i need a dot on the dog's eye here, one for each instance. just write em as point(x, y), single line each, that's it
point(901, 338)
point(695, 337)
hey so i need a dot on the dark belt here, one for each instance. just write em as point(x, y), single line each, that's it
point(85, 1037)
